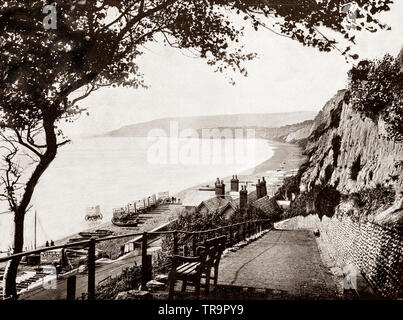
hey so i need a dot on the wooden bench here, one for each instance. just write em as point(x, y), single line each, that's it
point(217, 247)
point(190, 270)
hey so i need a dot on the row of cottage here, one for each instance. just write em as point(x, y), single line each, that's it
point(238, 199)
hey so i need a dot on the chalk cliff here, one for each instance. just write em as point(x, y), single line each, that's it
point(351, 153)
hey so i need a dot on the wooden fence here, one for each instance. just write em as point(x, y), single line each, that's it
point(188, 243)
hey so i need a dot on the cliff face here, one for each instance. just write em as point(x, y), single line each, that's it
point(350, 152)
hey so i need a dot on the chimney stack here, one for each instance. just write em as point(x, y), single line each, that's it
point(217, 187)
point(258, 189)
point(235, 184)
point(263, 189)
point(220, 188)
point(243, 200)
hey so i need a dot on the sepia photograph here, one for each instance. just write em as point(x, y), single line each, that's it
point(193, 157)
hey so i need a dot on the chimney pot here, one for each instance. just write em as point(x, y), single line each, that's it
point(243, 201)
point(258, 189)
point(234, 184)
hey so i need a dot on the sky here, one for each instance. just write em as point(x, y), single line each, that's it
point(285, 77)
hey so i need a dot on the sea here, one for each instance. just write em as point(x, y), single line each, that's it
point(113, 171)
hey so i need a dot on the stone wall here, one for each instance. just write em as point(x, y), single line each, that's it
point(375, 250)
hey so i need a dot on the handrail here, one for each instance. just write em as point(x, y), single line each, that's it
point(87, 242)
point(62, 246)
point(233, 231)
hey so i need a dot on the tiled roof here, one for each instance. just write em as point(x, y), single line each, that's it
point(218, 204)
point(252, 197)
point(264, 204)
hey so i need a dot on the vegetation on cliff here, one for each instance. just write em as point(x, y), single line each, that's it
point(376, 90)
point(352, 159)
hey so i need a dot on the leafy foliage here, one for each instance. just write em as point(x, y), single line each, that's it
point(325, 199)
point(376, 90)
point(129, 279)
point(291, 184)
point(46, 73)
point(371, 200)
point(336, 144)
point(299, 207)
point(320, 199)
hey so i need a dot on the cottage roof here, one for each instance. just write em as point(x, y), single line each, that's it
point(264, 204)
point(218, 204)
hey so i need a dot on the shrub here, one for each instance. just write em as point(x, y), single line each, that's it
point(371, 200)
point(326, 198)
point(376, 90)
point(129, 279)
point(336, 144)
point(321, 199)
point(300, 206)
point(193, 220)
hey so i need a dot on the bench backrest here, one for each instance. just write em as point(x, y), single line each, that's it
point(214, 249)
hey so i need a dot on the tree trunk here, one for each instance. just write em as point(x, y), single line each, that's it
point(10, 273)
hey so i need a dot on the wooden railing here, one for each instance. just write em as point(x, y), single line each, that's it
point(234, 232)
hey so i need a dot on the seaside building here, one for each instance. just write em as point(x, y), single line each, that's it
point(265, 206)
point(223, 206)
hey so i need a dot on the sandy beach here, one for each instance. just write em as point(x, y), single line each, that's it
point(285, 158)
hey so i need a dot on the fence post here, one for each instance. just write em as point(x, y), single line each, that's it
point(144, 260)
point(175, 248)
point(149, 270)
point(231, 236)
point(71, 288)
point(194, 243)
point(91, 270)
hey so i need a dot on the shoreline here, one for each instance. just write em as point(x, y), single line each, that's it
point(285, 154)
point(285, 157)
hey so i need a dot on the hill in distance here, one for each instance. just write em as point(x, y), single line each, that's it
point(263, 120)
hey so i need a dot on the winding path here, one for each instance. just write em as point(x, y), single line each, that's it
point(282, 263)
